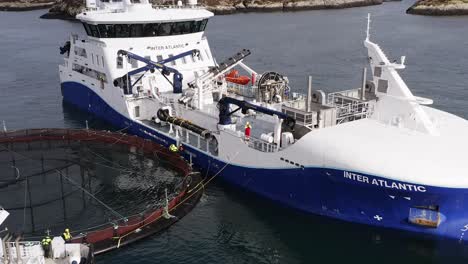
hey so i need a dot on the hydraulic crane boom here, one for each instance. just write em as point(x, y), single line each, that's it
point(225, 113)
point(165, 70)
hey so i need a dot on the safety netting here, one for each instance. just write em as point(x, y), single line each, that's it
point(100, 185)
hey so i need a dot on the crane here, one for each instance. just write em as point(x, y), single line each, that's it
point(160, 65)
point(225, 113)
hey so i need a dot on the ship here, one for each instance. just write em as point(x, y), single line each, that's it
point(376, 154)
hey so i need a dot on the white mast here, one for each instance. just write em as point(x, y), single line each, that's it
point(397, 105)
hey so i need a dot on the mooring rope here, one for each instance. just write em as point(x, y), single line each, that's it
point(191, 192)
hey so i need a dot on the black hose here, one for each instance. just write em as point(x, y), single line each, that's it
point(163, 115)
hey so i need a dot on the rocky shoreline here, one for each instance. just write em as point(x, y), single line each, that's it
point(270, 6)
point(24, 5)
point(68, 9)
point(439, 8)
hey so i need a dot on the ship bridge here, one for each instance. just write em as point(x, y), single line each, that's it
point(138, 18)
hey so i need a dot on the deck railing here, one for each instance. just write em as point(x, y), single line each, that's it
point(24, 250)
point(242, 90)
point(262, 145)
point(349, 107)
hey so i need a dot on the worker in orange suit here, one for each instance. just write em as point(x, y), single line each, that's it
point(248, 129)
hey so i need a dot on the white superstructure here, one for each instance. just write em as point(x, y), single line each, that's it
point(155, 33)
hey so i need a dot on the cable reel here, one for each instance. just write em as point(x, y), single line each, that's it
point(272, 87)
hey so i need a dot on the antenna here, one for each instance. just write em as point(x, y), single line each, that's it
point(368, 26)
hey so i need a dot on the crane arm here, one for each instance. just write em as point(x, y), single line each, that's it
point(165, 70)
point(225, 113)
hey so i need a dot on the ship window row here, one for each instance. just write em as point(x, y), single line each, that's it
point(89, 72)
point(144, 30)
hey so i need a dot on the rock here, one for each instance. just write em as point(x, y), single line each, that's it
point(439, 8)
point(222, 10)
point(328, 4)
point(240, 7)
point(24, 5)
point(68, 9)
point(263, 6)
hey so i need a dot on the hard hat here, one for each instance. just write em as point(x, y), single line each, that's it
point(67, 230)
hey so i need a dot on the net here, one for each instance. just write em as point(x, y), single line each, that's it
point(88, 181)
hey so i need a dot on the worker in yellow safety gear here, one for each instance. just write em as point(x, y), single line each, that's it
point(173, 148)
point(66, 235)
point(46, 245)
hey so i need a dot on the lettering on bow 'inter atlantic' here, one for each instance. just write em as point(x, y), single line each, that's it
point(166, 47)
point(384, 183)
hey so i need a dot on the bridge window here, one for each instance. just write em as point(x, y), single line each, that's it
point(87, 29)
point(94, 31)
point(203, 25)
point(121, 31)
point(182, 28)
point(136, 30)
point(106, 31)
point(144, 30)
point(165, 29)
point(150, 30)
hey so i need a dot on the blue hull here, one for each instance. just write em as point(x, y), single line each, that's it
point(344, 195)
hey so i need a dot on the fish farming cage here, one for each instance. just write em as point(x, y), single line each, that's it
point(108, 188)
